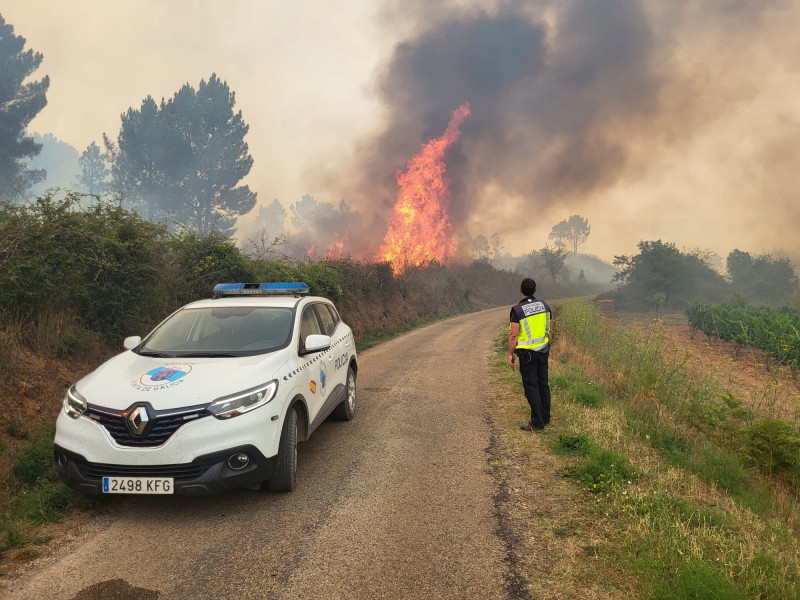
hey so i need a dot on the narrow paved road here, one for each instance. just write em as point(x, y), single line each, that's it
point(398, 503)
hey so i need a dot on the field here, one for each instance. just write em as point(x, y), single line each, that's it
point(670, 470)
point(774, 331)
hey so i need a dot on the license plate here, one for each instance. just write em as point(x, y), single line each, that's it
point(137, 485)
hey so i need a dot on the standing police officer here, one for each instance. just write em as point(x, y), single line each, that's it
point(528, 338)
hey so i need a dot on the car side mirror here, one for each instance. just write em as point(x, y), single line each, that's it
point(131, 342)
point(315, 343)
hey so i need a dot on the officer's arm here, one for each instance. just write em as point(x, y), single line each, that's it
point(513, 333)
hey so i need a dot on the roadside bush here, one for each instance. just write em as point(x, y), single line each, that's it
point(200, 262)
point(775, 446)
point(322, 278)
point(98, 263)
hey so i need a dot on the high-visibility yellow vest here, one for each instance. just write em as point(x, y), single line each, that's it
point(534, 326)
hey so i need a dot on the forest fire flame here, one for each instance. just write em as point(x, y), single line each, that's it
point(335, 250)
point(419, 228)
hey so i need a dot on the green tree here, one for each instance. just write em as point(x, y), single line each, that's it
point(573, 231)
point(19, 104)
point(211, 156)
point(547, 264)
point(94, 173)
point(554, 261)
point(661, 268)
point(140, 160)
point(761, 278)
point(183, 160)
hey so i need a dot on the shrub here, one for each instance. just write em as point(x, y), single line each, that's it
point(99, 263)
point(775, 446)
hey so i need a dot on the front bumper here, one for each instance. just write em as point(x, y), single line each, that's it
point(206, 474)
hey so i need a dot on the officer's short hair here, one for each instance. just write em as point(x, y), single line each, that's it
point(528, 286)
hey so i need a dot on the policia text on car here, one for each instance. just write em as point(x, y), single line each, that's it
point(528, 339)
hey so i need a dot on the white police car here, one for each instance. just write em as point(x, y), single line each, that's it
point(217, 396)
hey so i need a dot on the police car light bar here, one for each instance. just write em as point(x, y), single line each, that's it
point(284, 288)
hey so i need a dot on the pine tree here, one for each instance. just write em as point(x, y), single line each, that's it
point(183, 160)
point(19, 104)
point(94, 172)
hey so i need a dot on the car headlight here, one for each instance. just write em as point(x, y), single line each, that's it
point(74, 404)
point(237, 404)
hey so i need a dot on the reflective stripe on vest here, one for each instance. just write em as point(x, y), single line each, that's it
point(534, 329)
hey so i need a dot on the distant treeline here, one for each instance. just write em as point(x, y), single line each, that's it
point(661, 276)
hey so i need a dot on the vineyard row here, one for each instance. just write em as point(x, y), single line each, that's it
point(775, 331)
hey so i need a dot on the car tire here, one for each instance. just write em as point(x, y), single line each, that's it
point(347, 408)
point(287, 456)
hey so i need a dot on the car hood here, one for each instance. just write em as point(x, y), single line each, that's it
point(168, 383)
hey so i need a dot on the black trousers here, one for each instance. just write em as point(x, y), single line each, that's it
point(535, 384)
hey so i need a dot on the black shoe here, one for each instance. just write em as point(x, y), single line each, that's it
point(530, 427)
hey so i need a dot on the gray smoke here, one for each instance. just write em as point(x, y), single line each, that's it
point(568, 97)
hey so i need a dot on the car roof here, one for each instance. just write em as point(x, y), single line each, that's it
point(266, 301)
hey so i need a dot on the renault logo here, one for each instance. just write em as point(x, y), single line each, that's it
point(138, 420)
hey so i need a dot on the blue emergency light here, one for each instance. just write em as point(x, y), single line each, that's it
point(282, 288)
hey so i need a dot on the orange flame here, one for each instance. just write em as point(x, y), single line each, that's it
point(335, 249)
point(419, 228)
point(310, 251)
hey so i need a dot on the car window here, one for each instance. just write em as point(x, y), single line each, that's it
point(332, 309)
point(309, 325)
point(225, 329)
point(325, 317)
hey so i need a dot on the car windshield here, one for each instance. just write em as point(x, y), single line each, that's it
point(221, 331)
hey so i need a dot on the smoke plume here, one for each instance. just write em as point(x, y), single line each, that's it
point(569, 98)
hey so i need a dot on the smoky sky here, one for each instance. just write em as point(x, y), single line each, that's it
point(548, 100)
point(568, 98)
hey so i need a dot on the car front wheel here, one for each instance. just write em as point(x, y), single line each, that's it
point(287, 456)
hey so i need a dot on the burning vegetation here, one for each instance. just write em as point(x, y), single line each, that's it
point(419, 228)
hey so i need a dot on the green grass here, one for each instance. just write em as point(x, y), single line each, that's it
point(35, 462)
point(39, 497)
point(577, 444)
point(588, 394)
point(602, 470)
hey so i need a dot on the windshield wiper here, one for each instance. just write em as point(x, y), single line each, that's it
point(155, 354)
point(208, 355)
